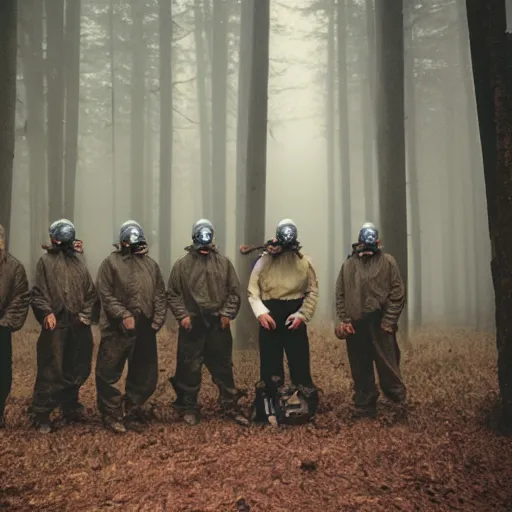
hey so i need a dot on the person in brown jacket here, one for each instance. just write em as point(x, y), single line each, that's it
point(370, 297)
point(14, 304)
point(283, 294)
point(204, 297)
point(133, 310)
point(65, 303)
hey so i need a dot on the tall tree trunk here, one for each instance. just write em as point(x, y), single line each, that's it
point(72, 78)
point(343, 141)
point(8, 57)
point(246, 328)
point(202, 106)
point(255, 198)
point(331, 154)
point(412, 168)
point(54, 10)
point(111, 39)
point(166, 137)
point(137, 119)
point(391, 134)
point(148, 175)
point(219, 118)
point(368, 112)
point(33, 77)
point(491, 50)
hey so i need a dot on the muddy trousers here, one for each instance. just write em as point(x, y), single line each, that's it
point(368, 346)
point(206, 343)
point(273, 345)
point(63, 365)
point(116, 349)
point(5, 367)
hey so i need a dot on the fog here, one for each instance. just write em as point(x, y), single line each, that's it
point(119, 139)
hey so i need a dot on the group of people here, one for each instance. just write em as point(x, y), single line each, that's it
point(129, 301)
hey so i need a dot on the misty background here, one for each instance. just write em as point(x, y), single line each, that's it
point(98, 63)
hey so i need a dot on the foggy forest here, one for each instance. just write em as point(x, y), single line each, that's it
point(332, 113)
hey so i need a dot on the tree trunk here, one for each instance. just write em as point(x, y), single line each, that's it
point(412, 167)
point(54, 10)
point(331, 157)
point(72, 78)
point(255, 198)
point(246, 328)
point(343, 134)
point(491, 50)
point(115, 214)
point(202, 106)
point(166, 137)
point(148, 175)
point(8, 56)
point(219, 119)
point(31, 44)
point(137, 120)
point(391, 134)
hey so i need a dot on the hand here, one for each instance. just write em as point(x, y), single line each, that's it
point(387, 328)
point(224, 321)
point(129, 323)
point(294, 322)
point(267, 322)
point(50, 322)
point(343, 330)
point(186, 323)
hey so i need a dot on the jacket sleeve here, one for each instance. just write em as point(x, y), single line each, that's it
point(341, 312)
point(160, 304)
point(89, 313)
point(41, 305)
point(253, 289)
point(175, 294)
point(232, 305)
point(112, 306)
point(308, 307)
point(396, 297)
point(17, 310)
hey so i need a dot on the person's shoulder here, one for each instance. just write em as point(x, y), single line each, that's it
point(389, 257)
point(12, 260)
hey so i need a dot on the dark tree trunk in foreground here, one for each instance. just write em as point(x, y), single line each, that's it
point(166, 137)
point(255, 199)
point(219, 119)
point(391, 134)
point(491, 53)
point(72, 78)
point(54, 11)
point(8, 56)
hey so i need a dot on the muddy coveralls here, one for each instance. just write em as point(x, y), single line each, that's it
point(128, 285)
point(63, 286)
point(370, 294)
point(205, 288)
point(14, 304)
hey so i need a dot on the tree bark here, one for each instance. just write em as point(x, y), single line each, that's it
point(148, 175)
point(8, 57)
point(343, 134)
point(54, 10)
point(491, 50)
point(219, 119)
point(255, 198)
point(137, 120)
point(72, 78)
point(166, 137)
point(31, 44)
point(202, 106)
point(113, 110)
point(391, 134)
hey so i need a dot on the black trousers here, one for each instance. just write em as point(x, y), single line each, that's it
point(273, 345)
point(206, 343)
point(5, 366)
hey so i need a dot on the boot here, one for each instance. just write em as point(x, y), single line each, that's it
point(42, 423)
point(114, 424)
point(191, 418)
point(74, 413)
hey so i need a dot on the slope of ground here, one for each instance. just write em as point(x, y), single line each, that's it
point(444, 458)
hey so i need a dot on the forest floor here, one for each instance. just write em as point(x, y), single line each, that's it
point(447, 456)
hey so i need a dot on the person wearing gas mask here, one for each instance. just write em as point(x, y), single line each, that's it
point(203, 295)
point(14, 304)
point(65, 303)
point(370, 297)
point(283, 294)
point(133, 310)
